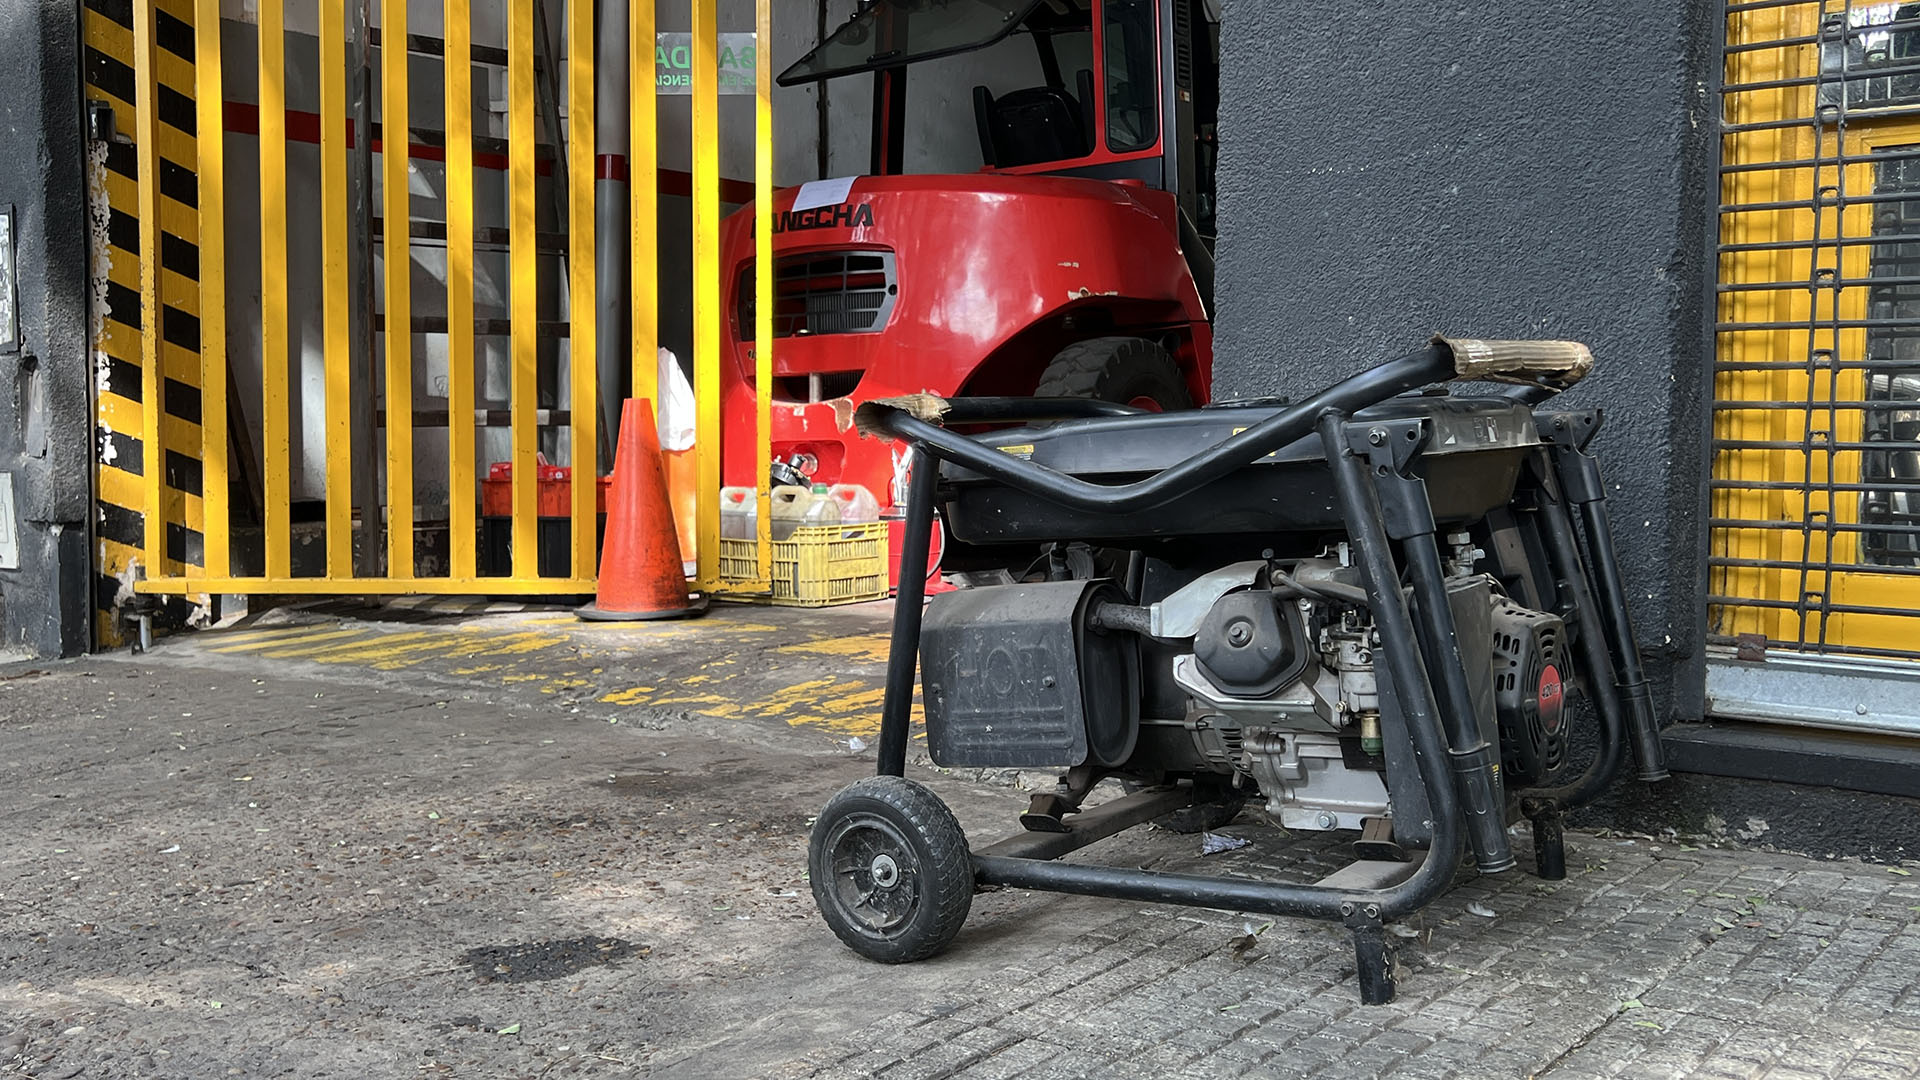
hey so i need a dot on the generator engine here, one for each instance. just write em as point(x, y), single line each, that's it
point(1258, 678)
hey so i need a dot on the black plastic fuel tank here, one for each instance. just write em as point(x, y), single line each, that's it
point(1471, 464)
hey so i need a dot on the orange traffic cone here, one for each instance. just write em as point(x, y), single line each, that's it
point(641, 576)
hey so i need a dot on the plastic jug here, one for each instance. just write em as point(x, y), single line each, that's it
point(857, 504)
point(739, 513)
point(823, 510)
point(791, 505)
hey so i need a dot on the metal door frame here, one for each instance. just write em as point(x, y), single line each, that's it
point(1786, 118)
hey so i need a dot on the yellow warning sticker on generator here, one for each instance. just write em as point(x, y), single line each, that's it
point(1019, 450)
point(1274, 456)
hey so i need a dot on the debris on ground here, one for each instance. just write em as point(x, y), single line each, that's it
point(1215, 843)
point(1243, 945)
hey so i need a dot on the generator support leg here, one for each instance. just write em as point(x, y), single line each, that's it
point(1592, 655)
point(1407, 514)
point(1643, 727)
point(1372, 958)
point(1550, 847)
point(903, 655)
point(1579, 475)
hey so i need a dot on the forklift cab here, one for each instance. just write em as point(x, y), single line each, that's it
point(1121, 90)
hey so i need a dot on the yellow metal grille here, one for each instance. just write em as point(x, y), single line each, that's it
point(165, 417)
point(1816, 463)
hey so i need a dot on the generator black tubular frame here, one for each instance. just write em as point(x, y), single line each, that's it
point(1546, 808)
point(1390, 449)
point(1430, 365)
point(1363, 911)
point(1580, 479)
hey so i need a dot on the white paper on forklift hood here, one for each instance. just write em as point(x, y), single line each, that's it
point(675, 415)
point(818, 193)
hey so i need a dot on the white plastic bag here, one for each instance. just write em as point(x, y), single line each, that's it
point(673, 413)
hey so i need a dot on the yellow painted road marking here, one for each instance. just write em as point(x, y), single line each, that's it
point(383, 648)
point(396, 651)
point(860, 648)
point(833, 688)
point(636, 695)
point(282, 648)
point(267, 633)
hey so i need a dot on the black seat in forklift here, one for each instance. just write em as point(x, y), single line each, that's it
point(1027, 127)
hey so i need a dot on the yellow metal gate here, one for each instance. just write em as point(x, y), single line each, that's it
point(183, 431)
point(1816, 480)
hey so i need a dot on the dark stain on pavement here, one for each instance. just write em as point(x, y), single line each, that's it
point(541, 960)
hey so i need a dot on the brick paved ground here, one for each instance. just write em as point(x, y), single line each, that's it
point(1649, 961)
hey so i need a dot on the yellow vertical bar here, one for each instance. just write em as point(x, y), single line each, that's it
point(582, 291)
point(210, 125)
point(277, 484)
point(334, 286)
point(763, 273)
point(643, 187)
point(706, 286)
point(147, 134)
point(397, 210)
point(465, 538)
point(523, 297)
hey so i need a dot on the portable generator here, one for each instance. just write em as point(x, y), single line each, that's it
point(1380, 610)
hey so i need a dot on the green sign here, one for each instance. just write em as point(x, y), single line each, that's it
point(673, 63)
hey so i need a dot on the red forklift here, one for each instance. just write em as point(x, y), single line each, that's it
point(1076, 262)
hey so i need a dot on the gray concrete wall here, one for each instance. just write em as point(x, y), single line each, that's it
point(1492, 170)
point(45, 408)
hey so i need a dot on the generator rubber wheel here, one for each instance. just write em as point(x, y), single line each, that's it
point(890, 870)
point(1130, 371)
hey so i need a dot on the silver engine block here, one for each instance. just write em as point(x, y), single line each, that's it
point(1289, 742)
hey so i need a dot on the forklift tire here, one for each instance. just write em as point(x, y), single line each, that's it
point(890, 870)
point(1129, 371)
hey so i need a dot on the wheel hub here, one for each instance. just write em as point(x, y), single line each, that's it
point(875, 874)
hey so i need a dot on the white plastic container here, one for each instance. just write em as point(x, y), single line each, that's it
point(821, 508)
point(796, 506)
point(739, 513)
point(857, 504)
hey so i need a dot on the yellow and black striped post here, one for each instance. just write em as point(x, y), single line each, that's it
point(152, 416)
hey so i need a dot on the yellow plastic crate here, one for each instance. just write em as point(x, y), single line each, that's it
point(821, 565)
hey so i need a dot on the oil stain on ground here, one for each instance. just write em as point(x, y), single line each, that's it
point(541, 960)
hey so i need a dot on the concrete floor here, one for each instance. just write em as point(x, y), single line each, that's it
point(512, 845)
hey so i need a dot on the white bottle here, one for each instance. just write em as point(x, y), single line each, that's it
point(790, 506)
point(822, 509)
point(857, 504)
point(739, 513)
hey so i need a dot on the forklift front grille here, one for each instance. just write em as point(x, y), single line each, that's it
point(1816, 412)
point(825, 292)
